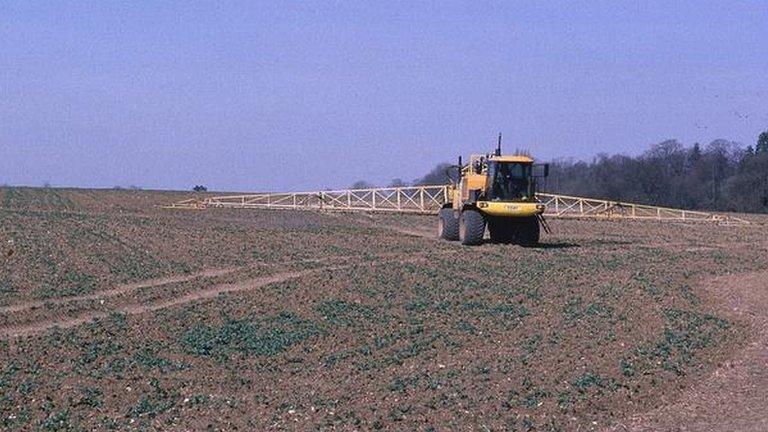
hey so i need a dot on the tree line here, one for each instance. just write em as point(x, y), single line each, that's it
point(722, 175)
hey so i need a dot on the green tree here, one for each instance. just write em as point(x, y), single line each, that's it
point(437, 176)
point(398, 182)
point(695, 153)
point(694, 156)
point(362, 184)
point(762, 143)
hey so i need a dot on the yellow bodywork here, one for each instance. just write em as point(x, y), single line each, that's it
point(510, 209)
point(493, 194)
point(514, 158)
point(471, 180)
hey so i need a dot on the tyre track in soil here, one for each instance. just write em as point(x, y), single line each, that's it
point(118, 290)
point(734, 396)
point(154, 283)
point(15, 331)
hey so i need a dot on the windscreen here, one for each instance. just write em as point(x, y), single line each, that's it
point(510, 181)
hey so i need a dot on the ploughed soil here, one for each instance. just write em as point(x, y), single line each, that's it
point(118, 315)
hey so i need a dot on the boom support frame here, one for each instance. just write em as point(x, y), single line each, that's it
point(429, 200)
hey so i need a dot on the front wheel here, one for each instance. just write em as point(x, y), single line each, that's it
point(471, 227)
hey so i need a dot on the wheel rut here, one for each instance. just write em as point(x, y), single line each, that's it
point(210, 292)
point(128, 288)
point(118, 290)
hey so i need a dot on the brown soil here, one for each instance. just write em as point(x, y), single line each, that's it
point(157, 304)
point(121, 289)
point(118, 315)
point(733, 396)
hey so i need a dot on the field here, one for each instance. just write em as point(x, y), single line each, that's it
point(118, 315)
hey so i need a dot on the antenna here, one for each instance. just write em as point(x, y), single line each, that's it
point(498, 148)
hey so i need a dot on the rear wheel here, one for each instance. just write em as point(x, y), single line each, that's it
point(471, 227)
point(522, 231)
point(502, 230)
point(529, 231)
point(447, 225)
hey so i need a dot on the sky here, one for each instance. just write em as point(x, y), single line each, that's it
point(305, 95)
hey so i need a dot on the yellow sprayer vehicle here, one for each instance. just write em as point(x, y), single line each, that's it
point(498, 192)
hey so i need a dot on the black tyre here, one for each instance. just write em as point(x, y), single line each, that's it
point(471, 227)
point(529, 232)
point(502, 230)
point(447, 225)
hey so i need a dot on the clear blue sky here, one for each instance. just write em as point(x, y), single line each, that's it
point(281, 95)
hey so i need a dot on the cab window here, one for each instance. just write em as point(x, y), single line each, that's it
point(510, 181)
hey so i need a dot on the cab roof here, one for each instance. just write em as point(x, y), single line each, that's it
point(515, 158)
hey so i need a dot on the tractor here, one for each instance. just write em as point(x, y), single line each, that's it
point(497, 192)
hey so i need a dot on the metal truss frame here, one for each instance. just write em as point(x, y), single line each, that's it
point(429, 199)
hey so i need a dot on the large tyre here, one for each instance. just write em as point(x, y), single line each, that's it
point(529, 231)
point(471, 227)
point(502, 230)
point(448, 225)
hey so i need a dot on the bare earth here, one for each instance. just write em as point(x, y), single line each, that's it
point(118, 315)
point(733, 396)
point(157, 304)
